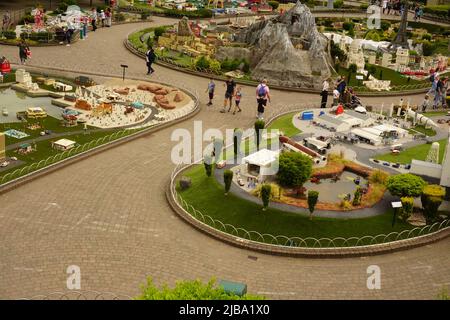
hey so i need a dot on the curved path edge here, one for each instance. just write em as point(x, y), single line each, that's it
point(8, 186)
point(333, 252)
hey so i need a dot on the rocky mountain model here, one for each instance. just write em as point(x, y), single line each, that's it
point(288, 50)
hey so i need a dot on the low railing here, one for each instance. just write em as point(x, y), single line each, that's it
point(80, 295)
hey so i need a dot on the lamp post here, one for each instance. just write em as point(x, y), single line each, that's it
point(396, 205)
point(124, 66)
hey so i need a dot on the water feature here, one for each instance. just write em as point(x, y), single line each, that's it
point(331, 191)
point(16, 101)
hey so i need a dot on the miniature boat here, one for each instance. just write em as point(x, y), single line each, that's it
point(5, 112)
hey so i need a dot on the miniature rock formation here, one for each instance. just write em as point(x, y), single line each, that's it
point(288, 49)
point(178, 97)
point(183, 28)
point(124, 91)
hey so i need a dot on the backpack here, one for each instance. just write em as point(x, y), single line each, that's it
point(262, 90)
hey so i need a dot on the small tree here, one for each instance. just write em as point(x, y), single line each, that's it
point(207, 162)
point(274, 4)
point(266, 191)
point(432, 197)
point(313, 197)
point(158, 32)
point(294, 170)
point(351, 69)
point(405, 185)
point(227, 179)
point(259, 126)
point(357, 196)
point(237, 138)
point(407, 207)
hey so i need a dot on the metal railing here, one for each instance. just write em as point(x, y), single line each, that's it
point(80, 295)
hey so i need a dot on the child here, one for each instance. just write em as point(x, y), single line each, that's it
point(210, 90)
point(237, 99)
point(336, 95)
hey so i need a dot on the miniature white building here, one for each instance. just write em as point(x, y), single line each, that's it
point(63, 144)
point(24, 78)
point(262, 163)
point(372, 57)
point(386, 60)
point(356, 55)
point(402, 59)
point(377, 85)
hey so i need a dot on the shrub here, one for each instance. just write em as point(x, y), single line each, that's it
point(407, 207)
point(378, 176)
point(347, 26)
point(275, 191)
point(266, 191)
point(345, 205)
point(431, 198)
point(119, 17)
point(259, 126)
point(313, 197)
point(294, 170)
point(338, 3)
point(227, 179)
point(357, 197)
point(208, 163)
point(385, 25)
point(214, 65)
point(274, 4)
point(405, 185)
point(426, 36)
point(10, 34)
point(158, 32)
point(202, 62)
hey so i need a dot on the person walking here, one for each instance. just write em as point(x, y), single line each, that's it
point(94, 17)
point(384, 5)
point(210, 91)
point(24, 51)
point(150, 57)
point(324, 93)
point(237, 100)
point(229, 94)
point(341, 85)
point(262, 97)
point(102, 18)
point(438, 93)
point(444, 92)
point(336, 96)
point(69, 32)
point(108, 15)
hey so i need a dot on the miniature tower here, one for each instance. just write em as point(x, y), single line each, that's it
point(401, 40)
point(433, 154)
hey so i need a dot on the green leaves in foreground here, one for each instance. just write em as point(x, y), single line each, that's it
point(190, 290)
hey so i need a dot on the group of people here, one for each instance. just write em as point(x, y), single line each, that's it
point(103, 17)
point(341, 93)
point(439, 89)
point(233, 93)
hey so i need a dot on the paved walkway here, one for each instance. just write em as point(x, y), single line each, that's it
point(108, 213)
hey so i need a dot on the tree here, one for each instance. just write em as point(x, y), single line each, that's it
point(313, 196)
point(432, 197)
point(351, 69)
point(259, 126)
point(357, 197)
point(274, 4)
point(405, 185)
point(227, 179)
point(190, 290)
point(158, 32)
point(294, 170)
point(407, 207)
point(207, 161)
point(266, 191)
point(237, 137)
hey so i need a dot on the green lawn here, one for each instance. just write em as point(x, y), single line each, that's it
point(419, 153)
point(421, 129)
point(435, 113)
point(285, 124)
point(207, 195)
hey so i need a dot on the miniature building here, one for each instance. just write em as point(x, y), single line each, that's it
point(445, 177)
point(63, 144)
point(25, 148)
point(35, 112)
point(402, 59)
point(372, 57)
point(260, 164)
point(356, 56)
point(386, 60)
point(2, 146)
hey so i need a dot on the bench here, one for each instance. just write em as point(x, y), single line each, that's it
point(236, 288)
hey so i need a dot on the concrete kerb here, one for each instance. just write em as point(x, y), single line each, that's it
point(8, 186)
point(129, 46)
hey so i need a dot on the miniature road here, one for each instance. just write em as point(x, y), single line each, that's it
point(108, 213)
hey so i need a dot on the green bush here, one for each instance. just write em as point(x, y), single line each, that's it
point(378, 176)
point(158, 32)
point(274, 4)
point(432, 197)
point(338, 3)
point(347, 26)
point(227, 179)
point(294, 170)
point(407, 207)
point(119, 17)
point(405, 185)
point(357, 197)
point(202, 62)
point(313, 197)
point(385, 25)
point(10, 34)
point(442, 10)
point(426, 36)
point(266, 191)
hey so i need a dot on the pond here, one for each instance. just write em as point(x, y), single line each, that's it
point(333, 191)
point(15, 101)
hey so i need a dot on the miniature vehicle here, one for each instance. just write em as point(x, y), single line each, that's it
point(21, 115)
point(4, 164)
point(396, 165)
point(36, 112)
point(407, 166)
point(13, 158)
point(387, 164)
point(5, 112)
point(84, 81)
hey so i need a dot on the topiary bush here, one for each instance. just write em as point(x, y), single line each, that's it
point(227, 179)
point(294, 170)
point(405, 185)
point(407, 208)
point(357, 197)
point(266, 191)
point(10, 34)
point(259, 126)
point(313, 197)
point(432, 197)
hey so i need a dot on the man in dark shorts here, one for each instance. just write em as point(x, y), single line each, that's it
point(229, 93)
point(262, 96)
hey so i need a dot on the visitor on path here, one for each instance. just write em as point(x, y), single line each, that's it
point(438, 93)
point(262, 97)
point(210, 91)
point(324, 93)
point(150, 57)
point(229, 94)
point(84, 25)
point(94, 17)
point(336, 96)
point(420, 14)
point(384, 5)
point(69, 32)
point(444, 92)
point(103, 18)
point(108, 15)
point(341, 85)
point(425, 103)
point(237, 100)
point(24, 51)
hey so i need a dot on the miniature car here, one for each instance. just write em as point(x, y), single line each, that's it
point(4, 164)
point(407, 166)
point(396, 165)
point(13, 158)
point(387, 164)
